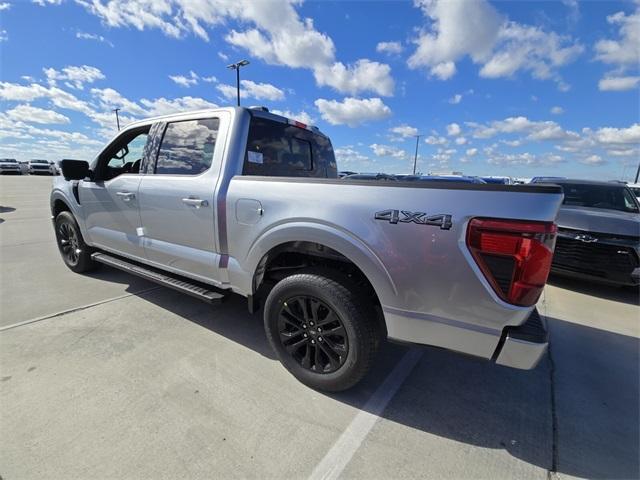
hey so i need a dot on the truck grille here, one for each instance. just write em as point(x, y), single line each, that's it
point(598, 259)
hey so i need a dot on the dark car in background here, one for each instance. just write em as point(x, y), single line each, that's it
point(371, 176)
point(547, 179)
point(598, 232)
point(498, 180)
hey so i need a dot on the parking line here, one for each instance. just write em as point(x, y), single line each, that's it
point(76, 309)
point(339, 456)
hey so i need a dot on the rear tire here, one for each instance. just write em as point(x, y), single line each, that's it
point(322, 329)
point(76, 254)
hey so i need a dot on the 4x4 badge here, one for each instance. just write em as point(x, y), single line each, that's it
point(421, 218)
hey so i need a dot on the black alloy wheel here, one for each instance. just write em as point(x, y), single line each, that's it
point(69, 244)
point(313, 334)
point(75, 253)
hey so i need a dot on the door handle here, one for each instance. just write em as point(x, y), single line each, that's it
point(126, 196)
point(195, 202)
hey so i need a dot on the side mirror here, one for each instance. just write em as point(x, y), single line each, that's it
point(75, 169)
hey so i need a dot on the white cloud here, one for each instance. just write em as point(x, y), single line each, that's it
point(457, 29)
point(29, 114)
point(610, 135)
point(593, 160)
point(456, 99)
point(622, 53)
point(185, 81)
point(453, 129)
point(404, 131)
point(352, 111)
point(4, 36)
point(74, 76)
point(109, 99)
point(526, 159)
point(536, 130)
point(435, 140)
point(391, 48)
point(444, 70)
point(276, 34)
point(557, 110)
point(349, 155)
point(387, 151)
point(163, 106)
point(4, 6)
point(618, 84)
point(472, 152)
point(94, 37)
point(461, 141)
point(522, 47)
point(223, 56)
point(625, 51)
point(250, 89)
point(364, 75)
point(301, 116)
point(475, 29)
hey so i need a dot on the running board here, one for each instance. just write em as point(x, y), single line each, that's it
point(198, 290)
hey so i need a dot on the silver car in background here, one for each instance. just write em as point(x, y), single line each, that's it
point(10, 166)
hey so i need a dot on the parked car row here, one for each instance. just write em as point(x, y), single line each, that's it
point(31, 167)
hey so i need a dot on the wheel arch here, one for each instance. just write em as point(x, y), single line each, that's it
point(320, 241)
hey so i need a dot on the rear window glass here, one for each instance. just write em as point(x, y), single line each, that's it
point(279, 149)
point(599, 196)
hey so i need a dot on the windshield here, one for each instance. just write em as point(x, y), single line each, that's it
point(39, 161)
point(636, 191)
point(605, 197)
point(8, 160)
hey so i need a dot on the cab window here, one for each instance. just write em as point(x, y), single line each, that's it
point(124, 155)
point(187, 147)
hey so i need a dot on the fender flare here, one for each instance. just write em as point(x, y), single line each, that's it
point(342, 241)
point(74, 208)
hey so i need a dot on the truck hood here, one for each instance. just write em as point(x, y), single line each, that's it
point(599, 220)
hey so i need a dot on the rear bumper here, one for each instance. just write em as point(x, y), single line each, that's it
point(519, 346)
point(523, 346)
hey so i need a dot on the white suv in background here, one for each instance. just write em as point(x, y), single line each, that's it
point(41, 167)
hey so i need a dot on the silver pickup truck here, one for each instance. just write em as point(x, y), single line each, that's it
point(240, 200)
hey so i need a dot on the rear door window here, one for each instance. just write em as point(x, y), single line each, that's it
point(187, 147)
point(279, 149)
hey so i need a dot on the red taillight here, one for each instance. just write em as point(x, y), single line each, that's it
point(514, 256)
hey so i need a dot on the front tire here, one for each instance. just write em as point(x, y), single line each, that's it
point(322, 329)
point(75, 253)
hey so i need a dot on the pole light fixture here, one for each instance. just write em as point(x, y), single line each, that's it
point(116, 110)
point(415, 158)
point(236, 66)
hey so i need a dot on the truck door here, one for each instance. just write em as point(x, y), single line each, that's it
point(109, 201)
point(177, 199)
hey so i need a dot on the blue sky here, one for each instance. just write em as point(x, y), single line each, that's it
point(495, 88)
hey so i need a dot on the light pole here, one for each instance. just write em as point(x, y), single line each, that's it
point(236, 66)
point(415, 159)
point(117, 118)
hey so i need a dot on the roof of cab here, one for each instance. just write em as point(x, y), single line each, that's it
point(262, 112)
